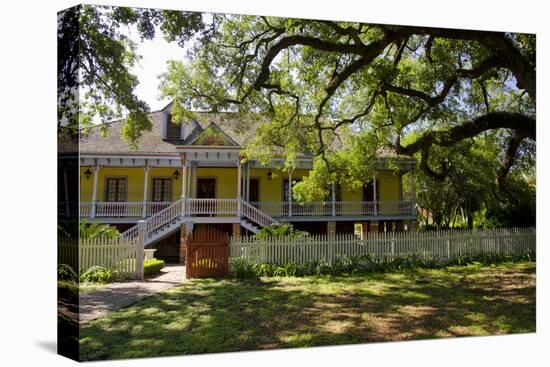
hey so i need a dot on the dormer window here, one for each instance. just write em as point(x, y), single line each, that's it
point(173, 131)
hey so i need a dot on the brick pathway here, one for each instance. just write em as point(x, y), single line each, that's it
point(97, 303)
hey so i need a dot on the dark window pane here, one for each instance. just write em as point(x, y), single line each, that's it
point(172, 130)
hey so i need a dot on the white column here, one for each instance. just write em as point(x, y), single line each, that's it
point(413, 191)
point(94, 191)
point(183, 186)
point(290, 193)
point(189, 180)
point(239, 177)
point(375, 194)
point(333, 201)
point(183, 178)
point(247, 181)
point(145, 188)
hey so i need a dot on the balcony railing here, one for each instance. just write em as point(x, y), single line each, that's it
point(201, 207)
point(337, 208)
point(122, 209)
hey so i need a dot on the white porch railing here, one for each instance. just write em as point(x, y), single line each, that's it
point(122, 209)
point(119, 209)
point(195, 206)
point(329, 208)
point(210, 206)
point(85, 209)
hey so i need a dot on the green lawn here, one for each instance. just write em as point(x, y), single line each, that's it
point(206, 316)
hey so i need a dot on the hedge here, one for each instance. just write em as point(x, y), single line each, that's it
point(152, 266)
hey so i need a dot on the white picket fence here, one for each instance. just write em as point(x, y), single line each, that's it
point(118, 253)
point(444, 245)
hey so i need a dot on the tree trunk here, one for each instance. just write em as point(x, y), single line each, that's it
point(470, 221)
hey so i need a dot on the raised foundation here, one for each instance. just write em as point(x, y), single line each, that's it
point(364, 230)
point(399, 226)
point(236, 229)
point(331, 228)
point(183, 237)
point(373, 226)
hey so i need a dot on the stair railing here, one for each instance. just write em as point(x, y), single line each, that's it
point(255, 215)
point(156, 222)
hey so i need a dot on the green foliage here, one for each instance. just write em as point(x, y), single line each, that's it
point(65, 272)
point(98, 274)
point(94, 78)
point(364, 264)
point(95, 230)
point(519, 210)
point(280, 230)
point(345, 127)
point(152, 266)
point(467, 196)
point(327, 103)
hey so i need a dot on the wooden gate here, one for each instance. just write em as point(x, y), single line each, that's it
point(207, 253)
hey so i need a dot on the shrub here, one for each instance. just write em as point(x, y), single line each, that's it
point(281, 230)
point(364, 264)
point(97, 274)
point(152, 266)
point(94, 230)
point(65, 272)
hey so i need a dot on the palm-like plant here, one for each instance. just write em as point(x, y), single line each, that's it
point(94, 230)
point(281, 230)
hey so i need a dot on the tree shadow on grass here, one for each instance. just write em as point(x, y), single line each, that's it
point(227, 315)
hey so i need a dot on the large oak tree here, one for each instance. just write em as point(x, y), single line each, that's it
point(343, 91)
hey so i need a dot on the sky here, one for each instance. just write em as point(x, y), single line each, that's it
point(155, 53)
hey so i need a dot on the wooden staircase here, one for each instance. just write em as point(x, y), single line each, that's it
point(169, 220)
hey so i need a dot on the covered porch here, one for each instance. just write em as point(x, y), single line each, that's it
point(212, 182)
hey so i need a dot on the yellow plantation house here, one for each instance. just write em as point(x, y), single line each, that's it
point(190, 174)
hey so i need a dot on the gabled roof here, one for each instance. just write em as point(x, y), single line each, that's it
point(235, 131)
point(212, 135)
point(231, 130)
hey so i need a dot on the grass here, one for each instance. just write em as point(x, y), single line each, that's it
point(224, 315)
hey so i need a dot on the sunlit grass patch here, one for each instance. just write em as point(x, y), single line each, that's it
point(223, 315)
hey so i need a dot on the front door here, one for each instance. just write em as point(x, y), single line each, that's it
point(254, 195)
point(368, 207)
point(206, 188)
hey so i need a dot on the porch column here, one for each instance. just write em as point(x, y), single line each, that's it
point(239, 194)
point(183, 184)
point(333, 200)
point(183, 176)
point(94, 191)
point(290, 193)
point(375, 194)
point(247, 181)
point(413, 192)
point(190, 165)
point(145, 187)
